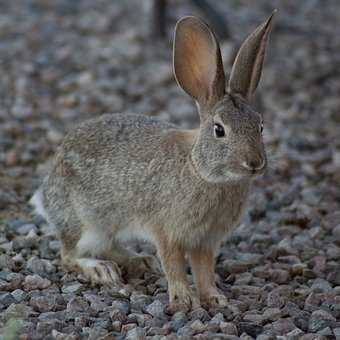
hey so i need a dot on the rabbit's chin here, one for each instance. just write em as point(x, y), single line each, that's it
point(227, 176)
point(231, 176)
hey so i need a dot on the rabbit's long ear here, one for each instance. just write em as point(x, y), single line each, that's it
point(198, 64)
point(246, 71)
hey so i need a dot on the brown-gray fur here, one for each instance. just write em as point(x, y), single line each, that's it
point(120, 175)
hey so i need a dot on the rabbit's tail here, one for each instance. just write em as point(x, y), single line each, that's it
point(38, 203)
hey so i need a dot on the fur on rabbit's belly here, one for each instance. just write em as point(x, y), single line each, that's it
point(190, 225)
point(134, 231)
point(181, 232)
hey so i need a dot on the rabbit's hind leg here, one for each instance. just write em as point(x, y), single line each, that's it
point(90, 257)
point(133, 264)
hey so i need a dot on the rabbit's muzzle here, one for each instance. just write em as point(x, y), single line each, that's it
point(255, 165)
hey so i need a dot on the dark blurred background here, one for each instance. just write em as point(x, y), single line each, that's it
point(65, 61)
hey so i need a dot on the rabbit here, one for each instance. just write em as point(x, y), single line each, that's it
point(124, 176)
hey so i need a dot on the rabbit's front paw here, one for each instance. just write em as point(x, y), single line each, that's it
point(215, 299)
point(182, 300)
point(136, 266)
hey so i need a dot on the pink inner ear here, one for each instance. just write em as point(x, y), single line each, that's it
point(200, 63)
point(197, 58)
point(246, 71)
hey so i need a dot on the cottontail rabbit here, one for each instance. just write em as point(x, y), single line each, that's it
point(123, 175)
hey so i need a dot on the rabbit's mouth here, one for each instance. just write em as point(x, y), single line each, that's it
point(253, 172)
point(240, 172)
point(221, 173)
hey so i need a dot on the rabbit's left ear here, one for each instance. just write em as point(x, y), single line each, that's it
point(197, 60)
point(246, 71)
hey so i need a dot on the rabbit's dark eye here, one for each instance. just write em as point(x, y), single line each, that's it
point(219, 130)
point(261, 127)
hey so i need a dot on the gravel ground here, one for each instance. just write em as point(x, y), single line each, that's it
point(65, 61)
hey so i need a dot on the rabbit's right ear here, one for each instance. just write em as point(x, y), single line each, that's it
point(247, 68)
point(198, 64)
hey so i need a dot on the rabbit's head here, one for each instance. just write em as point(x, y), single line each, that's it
point(229, 144)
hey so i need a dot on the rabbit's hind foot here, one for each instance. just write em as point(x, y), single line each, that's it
point(97, 271)
point(100, 271)
point(137, 265)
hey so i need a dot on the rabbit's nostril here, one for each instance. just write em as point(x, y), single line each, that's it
point(254, 165)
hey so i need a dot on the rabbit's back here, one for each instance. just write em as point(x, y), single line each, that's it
point(116, 156)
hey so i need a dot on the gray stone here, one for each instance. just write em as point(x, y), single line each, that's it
point(6, 299)
point(33, 282)
point(267, 337)
point(72, 287)
point(96, 302)
point(135, 334)
point(327, 332)
point(14, 280)
point(336, 332)
point(63, 336)
point(17, 311)
point(54, 245)
point(26, 228)
point(46, 327)
point(127, 327)
point(156, 309)
point(185, 331)
point(217, 318)
point(26, 243)
point(321, 286)
point(178, 320)
point(312, 336)
point(296, 333)
point(81, 321)
point(6, 262)
point(275, 299)
point(199, 314)
point(118, 315)
point(336, 231)
point(76, 305)
point(228, 328)
point(321, 319)
point(235, 266)
point(14, 225)
point(45, 316)
point(140, 318)
point(282, 326)
point(249, 328)
point(19, 295)
point(312, 302)
point(279, 276)
point(40, 266)
point(139, 301)
point(152, 331)
point(96, 333)
point(253, 317)
point(197, 326)
point(272, 314)
point(122, 305)
point(46, 302)
point(334, 277)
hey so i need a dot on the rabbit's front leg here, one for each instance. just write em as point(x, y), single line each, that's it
point(203, 267)
point(173, 262)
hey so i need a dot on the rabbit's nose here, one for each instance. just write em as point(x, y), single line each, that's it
point(254, 165)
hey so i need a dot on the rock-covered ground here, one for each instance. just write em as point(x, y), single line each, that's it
point(64, 61)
